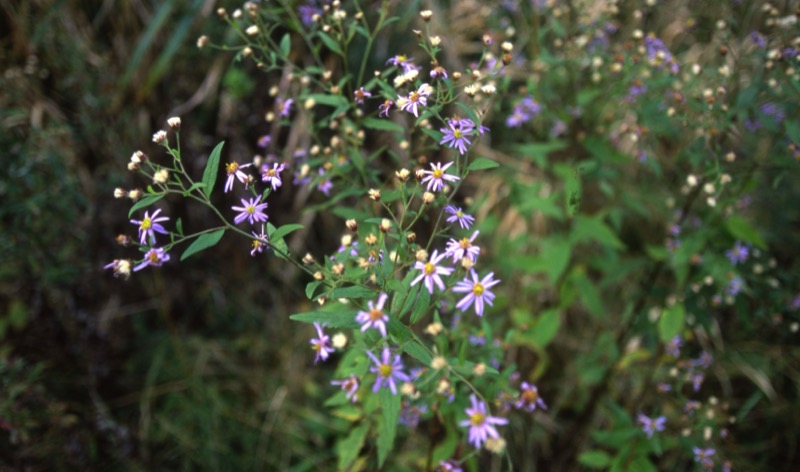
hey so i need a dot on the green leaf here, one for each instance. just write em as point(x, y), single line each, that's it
point(286, 45)
point(279, 246)
point(330, 100)
point(390, 407)
point(284, 230)
point(671, 322)
point(595, 459)
point(349, 447)
point(421, 306)
point(330, 43)
point(212, 166)
point(556, 254)
point(741, 229)
point(546, 328)
point(311, 289)
point(593, 228)
point(354, 291)
point(145, 202)
point(337, 317)
point(203, 242)
point(482, 163)
point(382, 125)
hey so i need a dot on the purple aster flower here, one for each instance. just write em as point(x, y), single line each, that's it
point(477, 339)
point(697, 381)
point(361, 94)
point(410, 415)
point(260, 241)
point(455, 136)
point(403, 62)
point(658, 54)
point(431, 272)
point(481, 425)
point(449, 465)
point(703, 456)
point(251, 210)
point(738, 253)
point(272, 176)
point(773, 111)
point(307, 13)
point(415, 99)
point(324, 185)
point(264, 141)
point(523, 112)
point(322, 344)
point(383, 110)
point(517, 118)
point(529, 398)
point(758, 39)
point(651, 425)
point(438, 72)
point(436, 176)
point(463, 248)
point(154, 257)
point(477, 291)
point(149, 225)
point(734, 286)
point(285, 106)
point(233, 169)
point(673, 347)
point(389, 370)
point(691, 406)
point(350, 386)
point(375, 317)
point(704, 361)
point(456, 214)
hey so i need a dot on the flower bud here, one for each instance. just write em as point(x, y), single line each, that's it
point(352, 224)
point(174, 122)
point(374, 194)
point(428, 197)
point(308, 259)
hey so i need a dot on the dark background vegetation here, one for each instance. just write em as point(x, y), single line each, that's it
point(186, 367)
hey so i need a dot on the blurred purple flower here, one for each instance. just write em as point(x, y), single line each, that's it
point(651, 425)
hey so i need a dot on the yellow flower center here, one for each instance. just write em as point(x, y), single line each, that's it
point(438, 173)
point(478, 289)
point(429, 269)
point(256, 244)
point(529, 396)
point(413, 97)
point(271, 173)
point(153, 257)
point(375, 314)
point(460, 214)
point(457, 134)
point(477, 419)
point(465, 244)
point(385, 370)
point(251, 209)
point(146, 224)
point(231, 168)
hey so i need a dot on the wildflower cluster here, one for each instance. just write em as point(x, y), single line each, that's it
point(403, 310)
